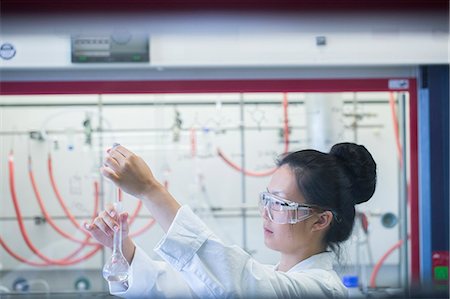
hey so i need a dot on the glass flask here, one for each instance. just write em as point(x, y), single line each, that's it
point(116, 268)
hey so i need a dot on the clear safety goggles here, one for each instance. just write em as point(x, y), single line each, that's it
point(282, 211)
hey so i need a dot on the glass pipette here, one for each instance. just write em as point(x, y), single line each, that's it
point(117, 268)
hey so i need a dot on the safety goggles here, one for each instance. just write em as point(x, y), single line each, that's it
point(282, 211)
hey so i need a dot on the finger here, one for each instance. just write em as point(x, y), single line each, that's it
point(115, 149)
point(86, 226)
point(111, 210)
point(111, 162)
point(101, 225)
point(94, 231)
point(117, 156)
point(109, 221)
point(109, 174)
point(123, 151)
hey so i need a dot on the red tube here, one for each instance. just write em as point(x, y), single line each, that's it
point(63, 262)
point(378, 265)
point(193, 138)
point(59, 197)
point(62, 202)
point(72, 218)
point(134, 215)
point(48, 217)
point(396, 129)
point(19, 258)
point(246, 172)
point(149, 224)
point(67, 260)
point(286, 146)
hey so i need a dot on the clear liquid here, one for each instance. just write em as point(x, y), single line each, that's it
point(117, 278)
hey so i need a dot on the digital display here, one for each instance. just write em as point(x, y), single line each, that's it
point(117, 47)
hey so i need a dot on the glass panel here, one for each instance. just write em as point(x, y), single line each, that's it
point(60, 140)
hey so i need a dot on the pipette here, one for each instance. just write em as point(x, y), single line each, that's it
point(117, 267)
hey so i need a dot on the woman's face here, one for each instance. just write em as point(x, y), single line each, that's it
point(286, 238)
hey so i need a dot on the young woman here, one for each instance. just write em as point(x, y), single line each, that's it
point(307, 209)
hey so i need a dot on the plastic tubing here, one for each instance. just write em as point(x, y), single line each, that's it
point(62, 262)
point(64, 206)
point(73, 220)
point(193, 138)
point(286, 146)
point(49, 218)
point(149, 224)
point(65, 261)
point(396, 129)
point(133, 216)
point(380, 262)
point(19, 258)
point(59, 197)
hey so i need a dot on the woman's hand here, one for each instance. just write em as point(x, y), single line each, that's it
point(103, 227)
point(105, 224)
point(129, 172)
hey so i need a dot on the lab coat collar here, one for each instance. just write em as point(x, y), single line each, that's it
point(323, 260)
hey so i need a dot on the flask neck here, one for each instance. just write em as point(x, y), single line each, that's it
point(117, 241)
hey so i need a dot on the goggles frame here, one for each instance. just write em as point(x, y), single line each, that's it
point(283, 211)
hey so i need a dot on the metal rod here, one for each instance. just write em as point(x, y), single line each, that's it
point(149, 130)
point(100, 158)
point(145, 217)
point(154, 103)
point(243, 178)
point(355, 124)
point(404, 200)
point(174, 103)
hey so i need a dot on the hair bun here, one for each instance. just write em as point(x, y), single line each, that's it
point(360, 168)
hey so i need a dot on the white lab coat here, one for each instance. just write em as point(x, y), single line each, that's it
point(198, 265)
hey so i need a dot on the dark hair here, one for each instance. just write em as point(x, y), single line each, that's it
point(337, 181)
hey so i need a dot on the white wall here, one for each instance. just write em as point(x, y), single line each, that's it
point(239, 39)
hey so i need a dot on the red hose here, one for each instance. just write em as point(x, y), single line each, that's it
point(19, 258)
point(68, 259)
point(193, 138)
point(120, 197)
point(63, 262)
point(149, 224)
point(396, 129)
point(378, 265)
point(48, 217)
point(59, 197)
point(286, 146)
point(134, 215)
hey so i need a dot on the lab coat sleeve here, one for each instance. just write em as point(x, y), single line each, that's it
point(151, 279)
point(214, 270)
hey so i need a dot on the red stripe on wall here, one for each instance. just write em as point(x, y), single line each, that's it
point(194, 86)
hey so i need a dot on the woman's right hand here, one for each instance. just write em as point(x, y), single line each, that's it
point(103, 227)
point(129, 172)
